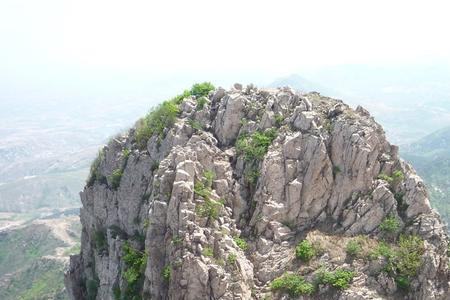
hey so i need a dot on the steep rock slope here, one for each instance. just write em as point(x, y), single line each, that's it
point(256, 194)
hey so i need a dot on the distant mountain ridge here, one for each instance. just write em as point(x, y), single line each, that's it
point(431, 158)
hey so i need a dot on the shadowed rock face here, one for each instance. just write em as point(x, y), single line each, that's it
point(273, 167)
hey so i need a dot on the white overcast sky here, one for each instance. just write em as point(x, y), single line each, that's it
point(276, 37)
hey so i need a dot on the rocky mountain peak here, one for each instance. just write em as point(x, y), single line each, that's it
point(255, 193)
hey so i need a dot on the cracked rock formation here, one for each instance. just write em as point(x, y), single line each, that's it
point(215, 204)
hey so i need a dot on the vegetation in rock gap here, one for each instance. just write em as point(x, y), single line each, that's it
point(115, 178)
point(396, 177)
point(279, 118)
point(209, 178)
point(231, 259)
point(208, 251)
point(155, 166)
point(252, 174)
point(95, 174)
point(293, 284)
point(101, 243)
point(241, 243)
point(117, 292)
point(254, 147)
point(403, 259)
point(177, 240)
point(336, 170)
point(385, 177)
point(92, 288)
point(126, 153)
point(166, 273)
point(209, 208)
point(135, 261)
point(201, 190)
point(408, 258)
point(196, 125)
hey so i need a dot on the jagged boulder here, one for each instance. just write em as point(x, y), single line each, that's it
point(214, 204)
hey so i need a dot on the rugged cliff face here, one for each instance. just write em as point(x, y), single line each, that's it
point(257, 194)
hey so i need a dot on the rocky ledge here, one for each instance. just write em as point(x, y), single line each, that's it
point(257, 194)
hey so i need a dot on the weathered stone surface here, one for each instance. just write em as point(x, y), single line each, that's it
point(319, 178)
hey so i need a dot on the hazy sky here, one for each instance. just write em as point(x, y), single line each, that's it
point(49, 40)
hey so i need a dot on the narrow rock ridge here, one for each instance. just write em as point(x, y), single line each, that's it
point(214, 206)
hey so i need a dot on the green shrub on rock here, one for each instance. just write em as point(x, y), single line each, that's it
point(409, 255)
point(305, 251)
point(390, 225)
point(201, 89)
point(293, 284)
point(255, 146)
point(209, 209)
point(340, 278)
point(353, 248)
point(160, 118)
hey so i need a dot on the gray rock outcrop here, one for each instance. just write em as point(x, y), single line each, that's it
point(214, 207)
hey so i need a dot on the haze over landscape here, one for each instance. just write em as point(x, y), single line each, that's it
point(73, 75)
